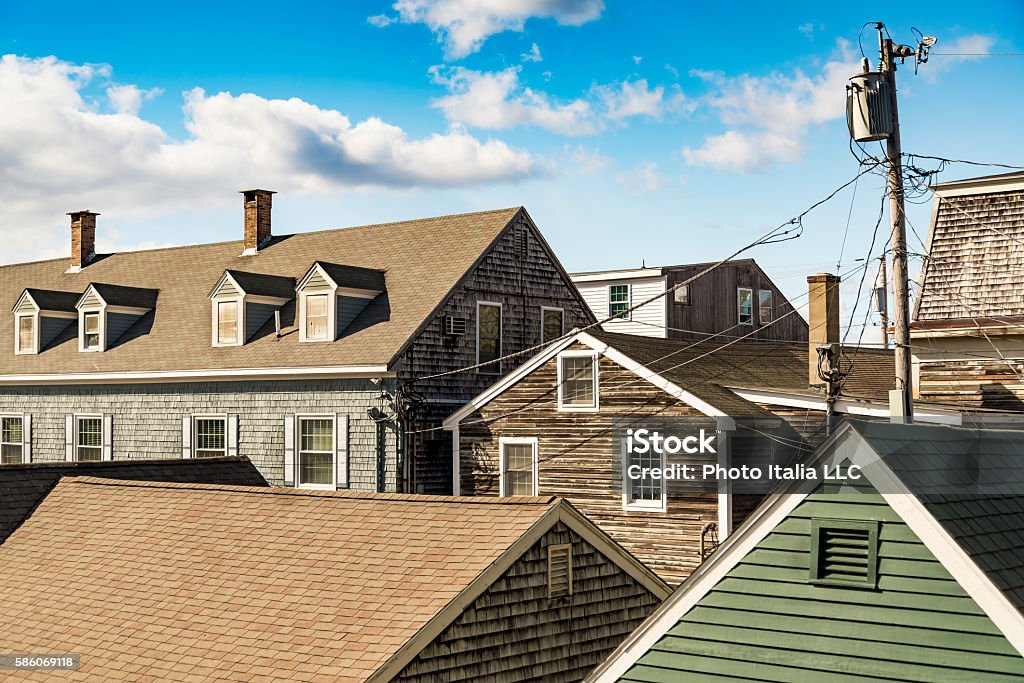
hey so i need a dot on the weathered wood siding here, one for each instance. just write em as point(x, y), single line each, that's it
point(714, 307)
point(514, 632)
point(575, 460)
point(647, 321)
point(765, 621)
point(522, 282)
point(976, 383)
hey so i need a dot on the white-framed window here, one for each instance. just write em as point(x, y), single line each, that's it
point(88, 438)
point(765, 309)
point(518, 466)
point(227, 322)
point(618, 301)
point(316, 317)
point(12, 439)
point(25, 339)
point(578, 386)
point(488, 337)
point(552, 322)
point(315, 463)
point(745, 305)
point(91, 331)
point(640, 490)
point(209, 436)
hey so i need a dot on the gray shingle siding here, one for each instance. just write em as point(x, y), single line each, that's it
point(147, 419)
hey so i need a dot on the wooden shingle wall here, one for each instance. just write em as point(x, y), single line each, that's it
point(575, 457)
point(515, 632)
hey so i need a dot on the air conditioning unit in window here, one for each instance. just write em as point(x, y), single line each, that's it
point(453, 327)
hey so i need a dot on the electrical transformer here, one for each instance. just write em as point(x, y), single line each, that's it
point(869, 107)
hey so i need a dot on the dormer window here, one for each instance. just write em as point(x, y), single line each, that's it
point(106, 313)
point(331, 297)
point(40, 316)
point(91, 334)
point(244, 304)
point(26, 342)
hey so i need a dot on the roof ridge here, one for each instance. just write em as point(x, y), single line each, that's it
point(114, 463)
point(542, 501)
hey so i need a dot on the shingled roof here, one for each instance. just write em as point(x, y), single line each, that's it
point(422, 261)
point(203, 582)
point(23, 486)
point(975, 251)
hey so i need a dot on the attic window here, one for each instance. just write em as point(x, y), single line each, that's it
point(316, 317)
point(91, 334)
point(26, 334)
point(844, 552)
point(560, 571)
point(227, 323)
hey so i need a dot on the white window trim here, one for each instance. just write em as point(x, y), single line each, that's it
point(299, 417)
point(240, 321)
point(21, 418)
point(195, 430)
point(78, 417)
point(516, 441)
point(561, 332)
point(629, 300)
point(595, 357)
point(332, 305)
point(35, 334)
point(739, 315)
point(645, 505)
point(102, 321)
point(771, 299)
point(501, 337)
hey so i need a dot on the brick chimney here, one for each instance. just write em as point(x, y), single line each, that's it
point(822, 318)
point(83, 239)
point(257, 219)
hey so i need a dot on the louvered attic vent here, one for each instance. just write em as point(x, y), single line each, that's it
point(560, 571)
point(454, 327)
point(844, 552)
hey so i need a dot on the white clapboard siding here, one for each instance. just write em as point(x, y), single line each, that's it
point(646, 321)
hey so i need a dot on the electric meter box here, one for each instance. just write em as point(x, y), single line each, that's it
point(869, 107)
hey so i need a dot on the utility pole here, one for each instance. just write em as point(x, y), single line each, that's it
point(900, 272)
point(882, 300)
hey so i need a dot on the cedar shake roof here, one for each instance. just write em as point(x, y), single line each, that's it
point(975, 257)
point(264, 285)
point(23, 486)
point(202, 582)
point(705, 367)
point(423, 261)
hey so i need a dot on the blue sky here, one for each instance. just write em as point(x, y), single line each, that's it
point(664, 132)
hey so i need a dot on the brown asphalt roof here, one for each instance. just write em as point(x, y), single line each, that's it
point(23, 486)
point(704, 367)
point(203, 582)
point(422, 259)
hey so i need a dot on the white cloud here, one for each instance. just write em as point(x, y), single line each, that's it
point(61, 148)
point(128, 99)
point(810, 28)
point(497, 100)
point(533, 55)
point(381, 20)
point(464, 25)
point(645, 177)
point(769, 118)
point(964, 49)
point(582, 160)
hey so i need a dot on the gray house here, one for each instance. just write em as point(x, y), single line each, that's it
point(303, 352)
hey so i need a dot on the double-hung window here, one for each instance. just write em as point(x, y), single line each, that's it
point(488, 335)
point(551, 324)
point(316, 452)
point(227, 322)
point(11, 440)
point(618, 301)
point(745, 305)
point(26, 334)
point(89, 439)
point(518, 466)
point(210, 436)
point(764, 306)
point(316, 316)
point(641, 490)
point(91, 336)
point(577, 381)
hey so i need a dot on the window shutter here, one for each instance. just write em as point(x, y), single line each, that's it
point(186, 436)
point(26, 438)
point(341, 449)
point(232, 435)
point(69, 438)
point(560, 571)
point(289, 450)
point(108, 437)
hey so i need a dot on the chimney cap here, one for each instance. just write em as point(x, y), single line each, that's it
point(84, 212)
point(257, 190)
point(822, 277)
